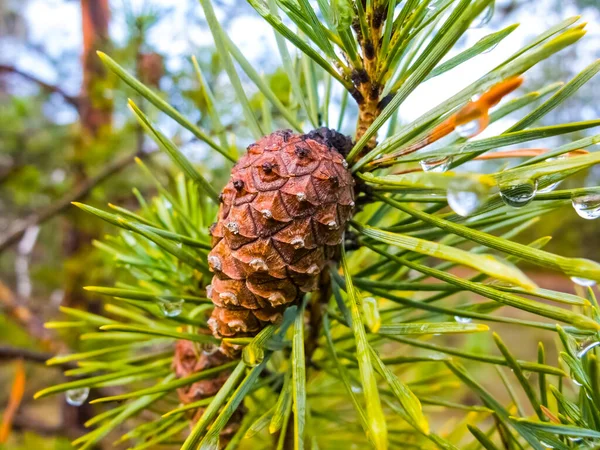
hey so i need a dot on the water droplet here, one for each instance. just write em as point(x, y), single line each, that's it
point(460, 319)
point(215, 262)
point(546, 445)
point(297, 242)
point(332, 225)
point(465, 195)
point(586, 347)
point(583, 281)
point(233, 227)
point(485, 16)
point(301, 196)
point(356, 389)
point(209, 291)
point(587, 206)
point(344, 164)
point(259, 265)
point(209, 348)
point(519, 194)
point(171, 308)
point(549, 188)
point(371, 313)
point(267, 214)
point(469, 129)
point(77, 397)
point(253, 355)
point(439, 164)
point(492, 48)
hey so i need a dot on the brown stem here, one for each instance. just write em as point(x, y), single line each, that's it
point(8, 353)
point(368, 110)
point(71, 99)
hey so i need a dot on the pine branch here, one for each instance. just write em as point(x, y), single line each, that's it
point(33, 356)
point(71, 99)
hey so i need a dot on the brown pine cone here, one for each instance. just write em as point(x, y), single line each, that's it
point(281, 219)
point(191, 358)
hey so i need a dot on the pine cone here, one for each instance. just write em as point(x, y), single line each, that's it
point(189, 359)
point(281, 219)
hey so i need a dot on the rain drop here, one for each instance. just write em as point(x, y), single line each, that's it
point(209, 348)
point(267, 214)
point(586, 347)
point(468, 129)
point(583, 281)
point(371, 313)
point(301, 196)
point(492, 48)
point(465, 195)
point(77, 397)
point(587, 206)
point(171, 308)
point(485, 16)
point(460, 319)
point(332, 225)
point(440, 164)
point(518, 195)
point(548, 188)
point(552, 186)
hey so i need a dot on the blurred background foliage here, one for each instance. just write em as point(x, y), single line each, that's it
point(66, 135)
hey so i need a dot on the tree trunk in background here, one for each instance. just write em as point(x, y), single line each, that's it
point(96, 110)
point(95, 116)
point(95, 113)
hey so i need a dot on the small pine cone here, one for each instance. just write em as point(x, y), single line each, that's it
point(281, 219)
point(190, 358)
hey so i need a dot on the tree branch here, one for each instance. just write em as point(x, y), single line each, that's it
point(71, 99)
point(23, 315)
point(62, 204)
point(9, 353)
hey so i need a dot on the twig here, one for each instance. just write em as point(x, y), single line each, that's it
point(23, 315)
point(71, 99)
point(7, 353)
point(23, 423)
point(56, 208)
